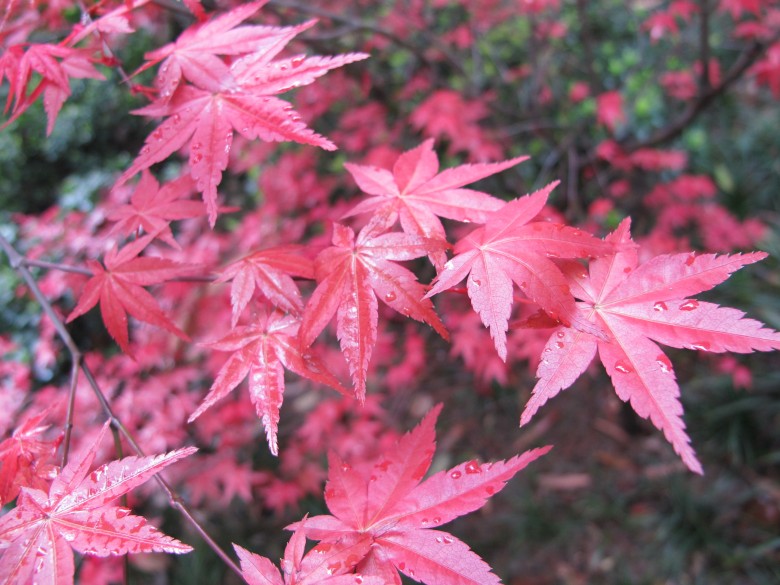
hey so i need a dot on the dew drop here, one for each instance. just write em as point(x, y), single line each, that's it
point(390, 297)
point(439, 539)
point(560, 344)
point(196, 146)
point(297, 61)
point(437, 520)
point(176, 118)
point(524, 285)
point(424, 521)
point(383, 465)
point(623, 367)
point(690, 260)
point(157, 134)
point(448, 265)
point(473, 467)
point(333, 567)
point(627, 269)
point(700, 345)
point(358, 580)
point(689, 305)
point(197, 157)
point(346, 467)
point(490, 490)
point(447, 539)
point(455, 474)
point(145, 150)
point(664, 363)
point(660, 306)
point(560, 335)
point(476, 282)
point(401, 566)
point(122, 512)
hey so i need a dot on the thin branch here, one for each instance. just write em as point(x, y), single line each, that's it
point(57, 266)
point(17, 262)
point(357, 24)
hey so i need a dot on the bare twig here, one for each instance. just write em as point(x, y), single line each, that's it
point(18, 263)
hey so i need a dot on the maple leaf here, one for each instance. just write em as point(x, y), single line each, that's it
point(24, 457)
point(510, 249)
point(269, 270)
point(609, 109)
point(151, 208)
point(260, 351)
point(224, 99)
point(320, 565)
point(350, 274)
point(194, 53)
point(416, 193)
point(56, 64)
point(118, 287)
point(387, 503)
point(77, 513)
point(639, 306)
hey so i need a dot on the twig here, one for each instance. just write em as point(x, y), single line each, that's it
point(375, 29)
point(18, 263)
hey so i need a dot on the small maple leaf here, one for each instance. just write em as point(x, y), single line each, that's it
point(639, 306)
point(260, 351)
point(151, 208)
point(417, 194)
point(609, 109)
point(56, 64)
point(77, 513)
point(222, 99)
point(271, 271)
point(386, 502)
point(24, 457)
point(510, 249)
point(320, 565)
point(118, 287)
point(351, 274)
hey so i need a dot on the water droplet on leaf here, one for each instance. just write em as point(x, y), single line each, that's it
point(623, 367)
point(689, 305)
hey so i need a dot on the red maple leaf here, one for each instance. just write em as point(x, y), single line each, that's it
point(223, 99)
point(55, 64)
point(24, 458)
point(37, 535)
point(320, 565)
point(639, 306)
point(350, 274)
point(119, 289)
point(510, 249)
point(261, 351)
point(387, 503)
point(417, 194)
point(271, 271)
point(609, 109)
point(151, 208)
